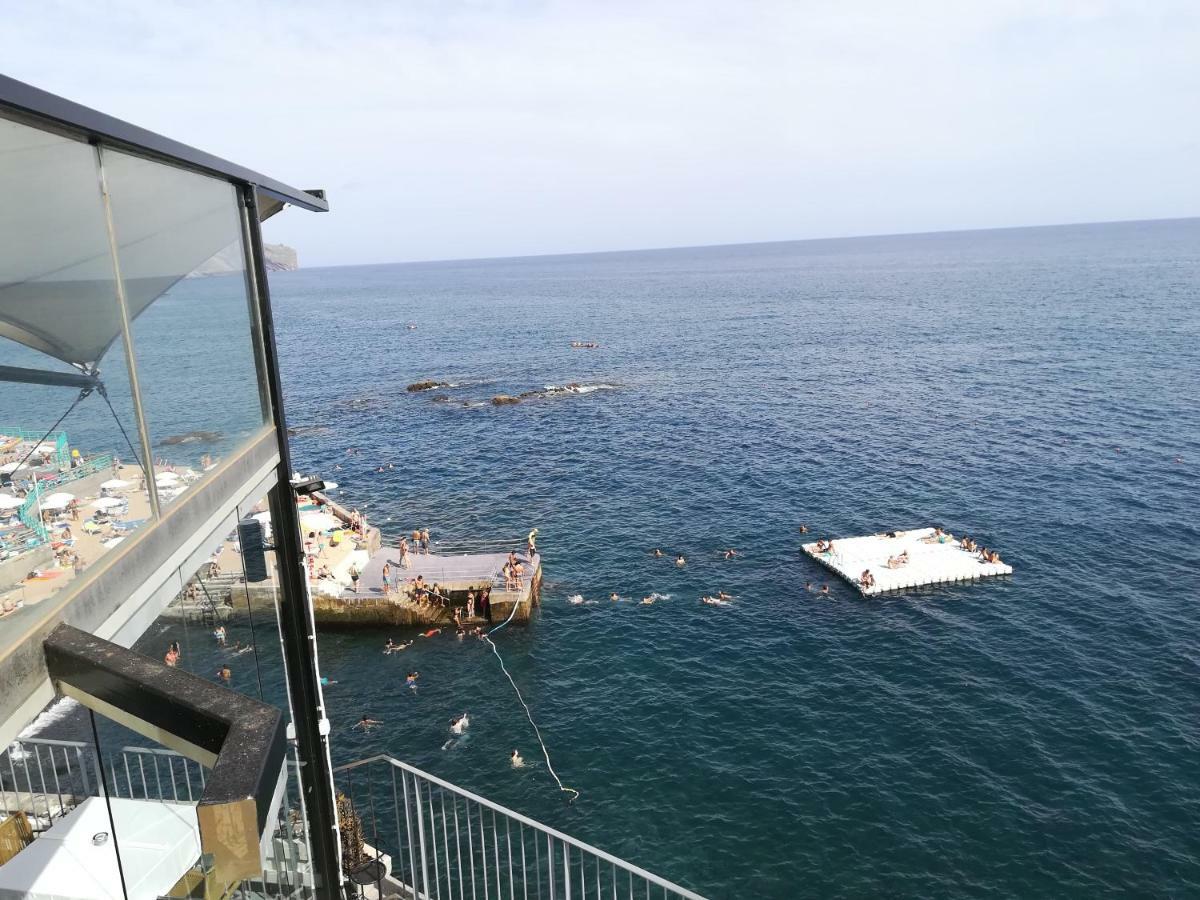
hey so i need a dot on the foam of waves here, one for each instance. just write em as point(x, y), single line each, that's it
point(55, 712)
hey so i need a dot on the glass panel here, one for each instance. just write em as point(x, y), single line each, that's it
point(183, 265)
point(60, 452)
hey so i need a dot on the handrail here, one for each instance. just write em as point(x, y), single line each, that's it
point(554, 833)
point(26, 512)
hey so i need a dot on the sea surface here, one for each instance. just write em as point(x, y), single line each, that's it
point(1038, 389)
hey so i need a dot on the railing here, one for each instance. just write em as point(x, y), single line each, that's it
point(61, 454)
point(48, 778)
point(448, 842)
point(29, 512)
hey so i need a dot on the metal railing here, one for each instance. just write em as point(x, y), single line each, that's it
point(448, 842)
point(48, 778)
point(30, 512)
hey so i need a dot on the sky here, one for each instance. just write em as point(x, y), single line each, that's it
point(446, 130)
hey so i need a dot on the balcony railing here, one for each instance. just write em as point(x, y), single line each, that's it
point(446, 842)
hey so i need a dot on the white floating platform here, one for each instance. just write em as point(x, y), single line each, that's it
point(936, 563)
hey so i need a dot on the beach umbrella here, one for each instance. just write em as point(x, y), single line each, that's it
point(13, 466)
point(166, 478)
point(318, 522)
point(8, 501)
point(116, 484)
point(331, 485)
point(107, 502)
point(61, 500)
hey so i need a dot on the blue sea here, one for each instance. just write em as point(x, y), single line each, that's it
point(1039, 389)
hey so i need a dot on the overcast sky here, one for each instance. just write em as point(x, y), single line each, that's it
point(448, 130)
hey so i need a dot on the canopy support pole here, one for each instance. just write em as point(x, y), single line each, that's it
point(127, 339)
point(47, 376)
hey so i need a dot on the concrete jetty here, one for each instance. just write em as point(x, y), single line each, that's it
point(455, 575)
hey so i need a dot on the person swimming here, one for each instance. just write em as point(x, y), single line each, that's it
point(516, 760)
point(730, 553)
point(680, 560)
point(432, 632)
point(648, 600)
point(389, 647)
point(804, 529)
point(366, 723)
point(824, 589)
point(656, 553)
point(614, 596)
point(460, 724)
point(411, 679)
point(575, 599)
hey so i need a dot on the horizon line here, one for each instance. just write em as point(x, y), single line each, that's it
point(679, 247)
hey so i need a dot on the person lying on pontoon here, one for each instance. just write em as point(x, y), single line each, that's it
point(866, 579)
point(895, 562)
point(938, 537)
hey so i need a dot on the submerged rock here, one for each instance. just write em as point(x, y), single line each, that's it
point(191, 437)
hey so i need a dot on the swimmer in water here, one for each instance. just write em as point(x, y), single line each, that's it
point(325, 682)
point(366, 723)
point(432, 632)
point(389, 647)
point(516, 760)
point(804, 529)
point(656, 553)
point(808, 585)
point(724, 596)
point(614, 597)
point(730, 553)
point(461, 724)
point(680, 561)
point(648, 600)
point(411, 679)
point(824, 589)
point(575, 599)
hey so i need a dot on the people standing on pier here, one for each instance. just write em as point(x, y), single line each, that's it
point(405, 562)
point(531, 544)
point(470, 604)
point(387, 580)
point(485, 602)
point(425, 539)
point(354, 575)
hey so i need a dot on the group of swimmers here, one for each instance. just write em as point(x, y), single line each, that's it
point(680, 559)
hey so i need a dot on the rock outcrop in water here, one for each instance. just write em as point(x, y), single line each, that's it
point(419, 386)
point(191, 437)
point(504, 400)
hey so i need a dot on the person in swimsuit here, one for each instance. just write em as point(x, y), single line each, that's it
point(516, 760)
point(680, 560)
point(366, 723)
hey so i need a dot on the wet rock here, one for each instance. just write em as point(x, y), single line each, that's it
point(504, 400)
point(191, 437)
point(419, 386)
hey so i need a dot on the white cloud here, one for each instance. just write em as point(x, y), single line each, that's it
point(449, 130)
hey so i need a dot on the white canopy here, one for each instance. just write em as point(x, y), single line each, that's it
point(107, 502)
point(8, 501)
point(115, 484)
point(56, 272)
point(13, 466)
point(61, 500)
point(166, 478)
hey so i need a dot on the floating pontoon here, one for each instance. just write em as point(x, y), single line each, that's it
point(929, 562)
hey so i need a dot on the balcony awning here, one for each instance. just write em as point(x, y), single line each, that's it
point(56, 280)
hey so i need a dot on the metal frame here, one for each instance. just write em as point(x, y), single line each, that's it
point(93, 125)
point(297, 628)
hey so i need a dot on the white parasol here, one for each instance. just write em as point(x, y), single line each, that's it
point(8, 501)
point(116, 484)
point(166, 478)
point(13, 466)
point(107, 502)
point(61, 500)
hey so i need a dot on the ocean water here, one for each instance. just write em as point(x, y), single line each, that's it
point(1039, 389)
